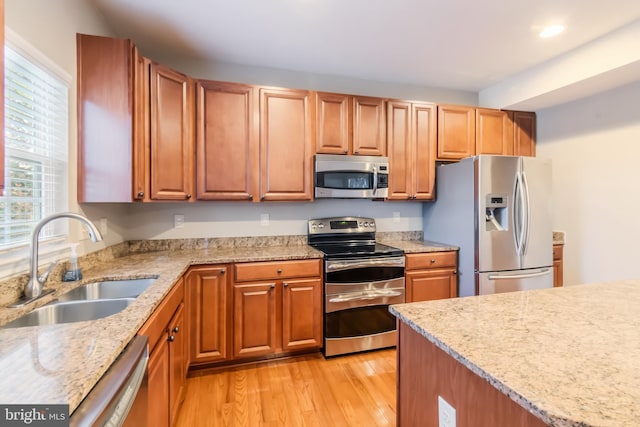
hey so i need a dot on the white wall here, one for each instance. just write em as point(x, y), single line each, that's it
point(595, 146)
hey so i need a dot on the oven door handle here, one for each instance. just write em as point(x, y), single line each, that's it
point(364, 263)
point(365, 296)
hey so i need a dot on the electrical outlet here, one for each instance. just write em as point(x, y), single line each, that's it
point(446, 414)
point(264, 219)
point(178, 221)
point(396, 217)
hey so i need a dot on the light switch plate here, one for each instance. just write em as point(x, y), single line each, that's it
point(178, 221)
point(264, 219)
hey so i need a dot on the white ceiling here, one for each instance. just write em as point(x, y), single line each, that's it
point(456, 44)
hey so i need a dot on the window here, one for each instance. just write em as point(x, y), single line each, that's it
point(36, 140)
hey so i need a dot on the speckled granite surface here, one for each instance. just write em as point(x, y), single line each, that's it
point(568, 355)
point(61, 363)
point(416, 246)
point(558, 237)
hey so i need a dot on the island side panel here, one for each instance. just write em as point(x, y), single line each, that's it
point(426, 372)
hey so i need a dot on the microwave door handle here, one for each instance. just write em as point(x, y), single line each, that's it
point(375, 180)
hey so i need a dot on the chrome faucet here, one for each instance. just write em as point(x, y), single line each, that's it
point(33, 288)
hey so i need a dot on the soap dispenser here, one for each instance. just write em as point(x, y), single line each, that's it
point(73, 272)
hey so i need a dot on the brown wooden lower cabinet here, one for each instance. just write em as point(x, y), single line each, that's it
point(208, 293)
point(426, 372)
point(558, 272)
point(281, 313)
point(431, 276)
point(167, 368)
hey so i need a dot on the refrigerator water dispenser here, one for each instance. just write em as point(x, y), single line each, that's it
point(496, 214)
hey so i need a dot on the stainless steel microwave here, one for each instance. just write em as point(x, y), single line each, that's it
point(351, 177)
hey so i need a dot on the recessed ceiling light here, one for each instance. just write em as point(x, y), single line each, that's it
point(551, 30)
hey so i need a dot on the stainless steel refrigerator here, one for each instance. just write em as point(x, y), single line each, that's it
point(497, 210)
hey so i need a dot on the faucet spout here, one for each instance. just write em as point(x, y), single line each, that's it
point(33, 288)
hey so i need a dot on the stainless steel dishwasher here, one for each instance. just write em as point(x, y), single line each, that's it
point(120, 397)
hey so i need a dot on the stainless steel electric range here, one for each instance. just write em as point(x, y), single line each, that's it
point(361, 279)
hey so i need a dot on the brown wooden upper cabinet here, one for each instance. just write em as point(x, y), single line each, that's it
point(466, 131)
point(494, 132)
point(226, 142)
point(524, 133)
point(172, 142)
point(348, 124)
point(135, 125)
point(253, 143)
point(286, 144)
point(456, 132)
point(411, 144)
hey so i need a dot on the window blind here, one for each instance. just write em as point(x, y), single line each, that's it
point(36, 140)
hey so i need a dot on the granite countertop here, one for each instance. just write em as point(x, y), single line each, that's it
point(59, 364)
point(417, 246)
point(567, 355)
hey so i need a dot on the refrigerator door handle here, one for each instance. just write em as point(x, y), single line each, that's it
point(518, 214)
point(527, 212)
point(543, 272)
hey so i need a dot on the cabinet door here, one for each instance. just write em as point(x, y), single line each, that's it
point(524, 133)
point(411, 144)
point(226, 142)
point(369, 123)
point(423, 132)
point(400, 150)
point(558, 271)
point(105, 105)
point(301, 314)
point(177, 362)
point(333, 123)
point(210, 318)
point(494, 132)
point(254, 319)
point(456, 132)
point(172, 147)
point(158, 388)
point(427, 285)
point(286, 144)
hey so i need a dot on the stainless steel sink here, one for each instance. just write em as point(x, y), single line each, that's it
point(108, 289)
point(70, 311)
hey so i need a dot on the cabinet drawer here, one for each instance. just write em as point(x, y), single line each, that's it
point(431, 260)
point(276, 270)
point(557, 252)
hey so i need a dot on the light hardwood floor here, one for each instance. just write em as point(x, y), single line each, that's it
point(352, 390)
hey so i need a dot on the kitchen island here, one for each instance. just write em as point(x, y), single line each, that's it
point(561, 357)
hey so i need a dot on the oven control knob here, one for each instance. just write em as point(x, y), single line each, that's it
point(360, 224)
point(321, 225)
